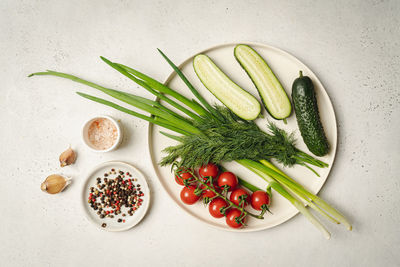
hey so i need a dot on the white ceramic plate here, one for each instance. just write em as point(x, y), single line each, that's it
point(112, 224)
point(286, 67)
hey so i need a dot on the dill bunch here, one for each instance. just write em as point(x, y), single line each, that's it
point(232, 138)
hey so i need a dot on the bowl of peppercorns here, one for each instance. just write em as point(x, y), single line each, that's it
point(115, 196)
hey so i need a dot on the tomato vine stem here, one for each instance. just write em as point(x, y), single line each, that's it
point(224, 197)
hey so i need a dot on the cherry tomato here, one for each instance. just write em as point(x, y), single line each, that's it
point(215, 207)
point(239, 194)
point(213, 183)
point(227, 179)
point(207, 192)
point(181, 176)
point(231, 218)
point(258, 199)
point(209, 170)
point(188, 196)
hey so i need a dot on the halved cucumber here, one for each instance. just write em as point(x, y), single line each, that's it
point(235, 98)
point(273, 95)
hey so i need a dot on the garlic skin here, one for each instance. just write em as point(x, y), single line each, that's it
point(55, 183)
point(68, 157)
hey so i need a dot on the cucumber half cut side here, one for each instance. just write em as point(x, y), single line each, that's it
point(273, 95)
point(229, 93)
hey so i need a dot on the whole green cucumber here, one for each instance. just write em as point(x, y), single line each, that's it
point(307, 115)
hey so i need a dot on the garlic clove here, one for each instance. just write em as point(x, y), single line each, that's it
point(68, 157)
point(55, 183)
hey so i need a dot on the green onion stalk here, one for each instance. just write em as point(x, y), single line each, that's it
point(194, 113)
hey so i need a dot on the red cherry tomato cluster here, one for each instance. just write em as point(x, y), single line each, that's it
point(225, 183)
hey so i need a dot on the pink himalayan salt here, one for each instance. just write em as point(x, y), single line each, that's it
point(102, 134)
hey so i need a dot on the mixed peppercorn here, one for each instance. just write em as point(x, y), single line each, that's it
point(112, 197)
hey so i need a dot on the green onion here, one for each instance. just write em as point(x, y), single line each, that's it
point(151, 90)
point(258, 169)
point(194, 105)
point(174, 137)
point(284, 179)
point(155, 104)
point(248, 185)
point(182, 124)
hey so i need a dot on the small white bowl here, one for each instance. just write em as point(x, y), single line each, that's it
point(85, 135)
point(112, 224)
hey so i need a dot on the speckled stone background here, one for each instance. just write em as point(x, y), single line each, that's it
point(353, 47)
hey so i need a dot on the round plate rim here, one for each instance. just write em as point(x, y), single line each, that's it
point(283, 52)
point(84, 202)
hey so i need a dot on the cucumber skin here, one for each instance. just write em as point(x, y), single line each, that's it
point(258, 90)
point(307, 115)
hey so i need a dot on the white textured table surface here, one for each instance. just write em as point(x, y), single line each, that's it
point(353, 46)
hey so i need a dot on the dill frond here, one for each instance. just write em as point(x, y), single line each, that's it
point(229, 140)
